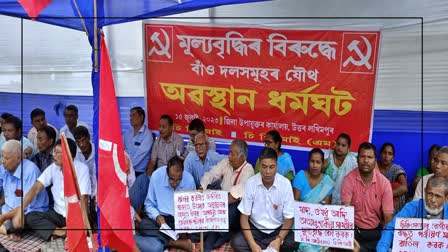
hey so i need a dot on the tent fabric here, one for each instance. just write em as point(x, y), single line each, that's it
point(64, 13)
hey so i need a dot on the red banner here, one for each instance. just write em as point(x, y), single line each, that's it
point(76, 233)
point(310, 85)
point(113, 196)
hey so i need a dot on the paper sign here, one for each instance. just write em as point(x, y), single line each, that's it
point(417, 234)
point(324, 225)
point(196, 211)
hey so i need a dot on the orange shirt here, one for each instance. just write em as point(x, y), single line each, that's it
point(370, 201)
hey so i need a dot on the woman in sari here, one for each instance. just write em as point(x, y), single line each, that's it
point(312, 186)
point(284, 161)
point(395, 174)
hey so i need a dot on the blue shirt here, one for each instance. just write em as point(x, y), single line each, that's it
point(25, 142)
point(12, 184)
point(414, 209)
point(160, 198)
point(138, 147)
point(194, 166)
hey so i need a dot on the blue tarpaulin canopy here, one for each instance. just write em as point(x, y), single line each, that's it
point(90, 16)
point(81, 15)
point(65, 12)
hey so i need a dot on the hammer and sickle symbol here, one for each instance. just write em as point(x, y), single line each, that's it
point(163, 48)
point(363, 58)
point(121, 175)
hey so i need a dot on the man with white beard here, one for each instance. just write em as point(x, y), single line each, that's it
point(434, 205)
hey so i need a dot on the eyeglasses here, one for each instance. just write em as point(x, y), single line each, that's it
point(57, 152)
point(199, 145)
point(268, 141)
point(172, 181)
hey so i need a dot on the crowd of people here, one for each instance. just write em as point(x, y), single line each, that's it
point(261, 199)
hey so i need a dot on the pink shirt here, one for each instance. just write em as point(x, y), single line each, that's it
point(370, 201)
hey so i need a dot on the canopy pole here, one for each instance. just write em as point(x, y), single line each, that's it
point(80, 16)
point(95, 36)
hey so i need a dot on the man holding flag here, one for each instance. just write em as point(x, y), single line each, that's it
point(53, 222)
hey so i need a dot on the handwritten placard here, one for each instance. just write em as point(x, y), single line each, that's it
point(417, 234)
point(201, 211)
point(324, 225)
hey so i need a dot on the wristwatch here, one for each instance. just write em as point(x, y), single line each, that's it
point(281, 239)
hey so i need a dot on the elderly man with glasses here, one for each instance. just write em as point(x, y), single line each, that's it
point(200, 161)
point(231, 175)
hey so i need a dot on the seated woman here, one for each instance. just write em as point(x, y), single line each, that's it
point(285, 166)
point(425, 170)
point(312, 186)
point(395, 174)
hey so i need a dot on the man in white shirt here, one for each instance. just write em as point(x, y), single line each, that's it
point(71, 122)
point(38, 121)
point(86, 155)
point(233, 173)
point(267, 209)
point(52, 223)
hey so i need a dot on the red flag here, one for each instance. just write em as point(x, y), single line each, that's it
point(113, 196)
point(76, 236)
point(34, 7)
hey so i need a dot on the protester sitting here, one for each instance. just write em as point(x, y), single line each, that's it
point(200, 161)
point(232, 174)
point(434, 206)
point(395, 174)
point(46, 138)
point(426, 170)
point(17, 178)
point(12, 129)
point(267, 209)
point(370, 193)
point(138, 192)
point(38, 121)
point(166, 146)
point(312, 186)
point(339, 163)
point(71, 121)
point(138, 141)
point(159, 206)
point(440, 170)
point(195, 127)
point(3, 117)
point(86, 154)
point(52, 222)
point(285, 166)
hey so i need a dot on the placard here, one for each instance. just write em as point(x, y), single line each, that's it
point(201, 211)
point(420, 234)
point(324, 225)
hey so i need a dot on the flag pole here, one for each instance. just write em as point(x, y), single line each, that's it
point(83, 206)
point(202, 241)
point(95, 36)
